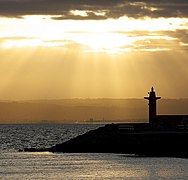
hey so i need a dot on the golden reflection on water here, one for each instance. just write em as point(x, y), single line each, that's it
point(45, 165)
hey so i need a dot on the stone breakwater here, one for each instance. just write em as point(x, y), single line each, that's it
point(110, 139)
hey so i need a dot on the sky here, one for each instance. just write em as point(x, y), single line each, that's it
point(55, 49)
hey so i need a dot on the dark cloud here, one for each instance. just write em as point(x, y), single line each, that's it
point(156, 44)
point(181, 35)
point(110, 8)
point(89, 16)
point(158, 41)
point(150, 44)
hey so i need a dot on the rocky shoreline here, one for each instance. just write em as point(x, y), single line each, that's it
point(137, 141)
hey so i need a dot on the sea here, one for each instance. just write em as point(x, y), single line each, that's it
point(78, 166)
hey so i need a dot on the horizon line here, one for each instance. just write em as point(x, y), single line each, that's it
point(55, 99)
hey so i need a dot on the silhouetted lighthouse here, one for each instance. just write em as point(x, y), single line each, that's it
point(152, 105)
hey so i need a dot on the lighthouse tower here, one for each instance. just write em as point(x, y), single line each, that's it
point(152, 105)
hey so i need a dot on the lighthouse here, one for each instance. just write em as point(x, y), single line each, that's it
point(152, 105)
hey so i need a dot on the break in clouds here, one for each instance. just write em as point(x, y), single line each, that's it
point(94, 9)
point(175, 39)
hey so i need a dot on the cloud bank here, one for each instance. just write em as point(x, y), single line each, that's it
point(94, 9)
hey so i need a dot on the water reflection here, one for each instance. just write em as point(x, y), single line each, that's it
point(89, 166)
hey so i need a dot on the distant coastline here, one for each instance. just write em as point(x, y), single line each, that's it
point(83, 110)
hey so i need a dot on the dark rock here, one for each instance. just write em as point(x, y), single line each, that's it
point(109, 139)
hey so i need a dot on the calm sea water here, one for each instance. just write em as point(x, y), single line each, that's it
point(22, 165)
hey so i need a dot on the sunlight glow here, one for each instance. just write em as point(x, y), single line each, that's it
point(78, 12)
point(105, 35)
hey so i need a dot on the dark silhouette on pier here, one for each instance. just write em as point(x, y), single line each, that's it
point(152, 105)
point(164, 135)
point(167, 122)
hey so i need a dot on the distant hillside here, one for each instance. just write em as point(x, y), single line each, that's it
point(86, 110)
point(173, 106)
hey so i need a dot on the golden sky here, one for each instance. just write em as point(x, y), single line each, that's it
point(93, 49)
